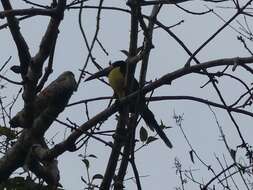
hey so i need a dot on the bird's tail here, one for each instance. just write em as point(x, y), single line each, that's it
point(149, 118)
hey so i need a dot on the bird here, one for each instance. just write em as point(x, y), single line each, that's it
point(116, 75)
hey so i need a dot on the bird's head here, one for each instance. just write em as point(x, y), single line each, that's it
point(105, 72)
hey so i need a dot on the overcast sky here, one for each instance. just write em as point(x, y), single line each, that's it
point(155, 162)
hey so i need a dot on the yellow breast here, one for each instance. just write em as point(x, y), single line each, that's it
point(117, 82)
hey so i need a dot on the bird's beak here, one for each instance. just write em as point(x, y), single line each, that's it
point(102, 73)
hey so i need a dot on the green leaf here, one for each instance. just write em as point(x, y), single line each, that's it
point(164, 126)
point(92, 156)
point(86, 162)
point(16, 69)
point(233, 153)
point(151, 139)
point(125, 52)
point(5, 131)
point(191, 155)
point(143, 134)
point(20, 183)
point(97, 176)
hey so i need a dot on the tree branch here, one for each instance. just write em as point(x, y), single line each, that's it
point(50, 102)
point(28, 12)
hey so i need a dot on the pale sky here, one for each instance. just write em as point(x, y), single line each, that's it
point(156, 161)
